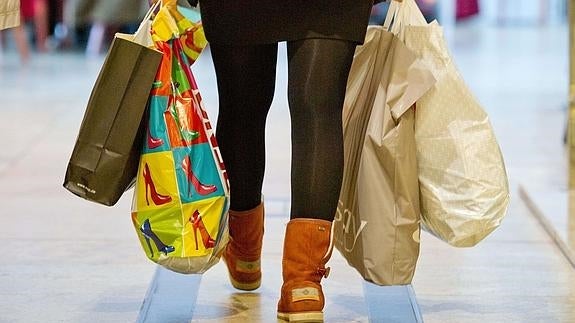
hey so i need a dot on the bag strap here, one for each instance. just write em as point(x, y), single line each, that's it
point(403, 13)
point(392, 11)
point(144, 25)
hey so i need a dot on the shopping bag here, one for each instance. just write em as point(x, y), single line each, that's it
point(9, 14)
point(463, 182)
point(105, 158)
point(181, 196)
point(172, 22)
point(376, 227)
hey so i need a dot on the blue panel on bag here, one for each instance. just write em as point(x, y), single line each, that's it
point(196, 172)
point(157, 137)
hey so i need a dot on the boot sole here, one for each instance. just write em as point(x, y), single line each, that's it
point(245, 286)
point(307, 317)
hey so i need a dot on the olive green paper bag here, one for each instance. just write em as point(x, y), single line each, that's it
point(105, 158)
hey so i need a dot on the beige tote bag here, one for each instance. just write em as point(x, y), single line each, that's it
point(377, 222)
point(9, 13)
point(463, 183)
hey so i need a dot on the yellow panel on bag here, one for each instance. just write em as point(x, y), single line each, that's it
point(201, 224)
point(156, 182)
point(159, 233)
point(164, 27)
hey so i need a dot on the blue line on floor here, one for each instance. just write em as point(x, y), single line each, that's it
point(386, 304)
point(171, 297)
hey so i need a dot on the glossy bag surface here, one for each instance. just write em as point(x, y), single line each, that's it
point(377, 223)
point(462, 178)
point(181, 196)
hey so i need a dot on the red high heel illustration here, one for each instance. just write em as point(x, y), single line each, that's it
point(188, 44)
point(154, 143)
point(157, 198)
point(202, 189)
point(198, 224)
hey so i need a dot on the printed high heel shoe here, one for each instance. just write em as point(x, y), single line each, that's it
point(198, 224)
point(157, 198)
point(154, 143)
point(191, 42)
point(149, 244)
point(146, 230)
point(202, 189)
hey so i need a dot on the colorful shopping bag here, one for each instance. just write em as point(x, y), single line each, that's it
point(181, 197)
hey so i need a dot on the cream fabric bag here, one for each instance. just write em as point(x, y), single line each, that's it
point(463, 183)
point(377, 222)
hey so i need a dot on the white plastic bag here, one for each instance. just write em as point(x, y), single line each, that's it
point(464, 190)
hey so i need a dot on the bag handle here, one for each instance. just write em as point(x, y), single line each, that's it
point(392, 11)
point(142, 36)
point(144, 24)
point(403, 13)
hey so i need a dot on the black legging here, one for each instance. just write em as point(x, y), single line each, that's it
point(317, 77)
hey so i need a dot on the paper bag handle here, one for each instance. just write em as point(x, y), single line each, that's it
point(144, 24)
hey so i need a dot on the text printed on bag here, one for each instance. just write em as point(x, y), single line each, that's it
point(89, 190)
point(349, 226)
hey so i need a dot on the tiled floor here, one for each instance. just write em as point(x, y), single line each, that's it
point(67, 260)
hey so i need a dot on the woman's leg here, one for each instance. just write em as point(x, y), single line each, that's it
point(246, 84)
point(318, 72)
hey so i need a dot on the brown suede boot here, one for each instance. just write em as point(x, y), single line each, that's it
point(243, 252)
point(307, 248)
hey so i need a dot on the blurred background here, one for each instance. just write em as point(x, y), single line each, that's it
point(68, 260)
point(88, 25)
